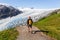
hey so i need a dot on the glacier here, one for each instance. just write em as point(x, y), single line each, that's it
point(21, 19)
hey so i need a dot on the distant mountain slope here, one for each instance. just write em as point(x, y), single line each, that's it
point(8, 11)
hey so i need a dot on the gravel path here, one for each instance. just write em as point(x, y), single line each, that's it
point(25, 35)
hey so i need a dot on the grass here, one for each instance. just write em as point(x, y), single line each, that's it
point(10, 34)
point(51, 24)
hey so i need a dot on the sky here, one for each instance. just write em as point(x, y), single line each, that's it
point(42, 4)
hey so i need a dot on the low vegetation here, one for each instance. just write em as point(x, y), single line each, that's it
point(10, 34)
point(51, 24)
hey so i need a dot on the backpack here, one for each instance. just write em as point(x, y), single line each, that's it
point(30, 21)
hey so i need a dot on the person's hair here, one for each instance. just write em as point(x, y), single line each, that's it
point(29, 17)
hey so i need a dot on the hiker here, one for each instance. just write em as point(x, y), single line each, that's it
point(29, 24)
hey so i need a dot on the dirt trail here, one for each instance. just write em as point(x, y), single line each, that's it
point(25, 35)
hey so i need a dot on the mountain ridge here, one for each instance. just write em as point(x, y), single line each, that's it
point(8, 11)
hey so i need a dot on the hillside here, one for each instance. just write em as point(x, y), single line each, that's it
point(51, 24)
point(8, 11)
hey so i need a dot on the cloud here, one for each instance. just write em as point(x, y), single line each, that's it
point(37, 9)
point(5, 4)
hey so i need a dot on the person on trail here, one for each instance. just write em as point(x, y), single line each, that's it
point(29, 24)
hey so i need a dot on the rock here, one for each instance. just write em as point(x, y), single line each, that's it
point(8, 11)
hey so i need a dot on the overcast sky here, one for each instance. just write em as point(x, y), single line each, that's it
point(33, 3)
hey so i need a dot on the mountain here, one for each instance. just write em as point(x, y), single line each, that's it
point(21, 19)
point(37, 14)
point(8, 11)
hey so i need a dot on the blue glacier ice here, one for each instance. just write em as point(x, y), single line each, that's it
point(21, 19)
